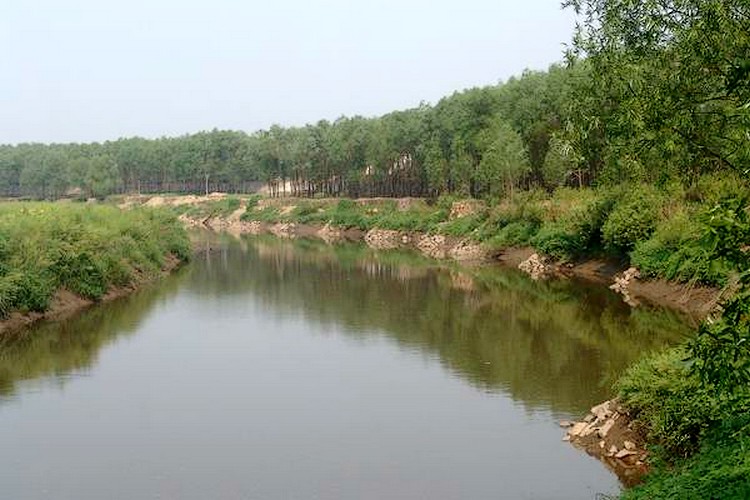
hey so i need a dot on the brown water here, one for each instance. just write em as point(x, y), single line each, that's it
point(276, 370)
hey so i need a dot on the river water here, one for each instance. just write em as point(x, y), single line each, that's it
point(272, 369)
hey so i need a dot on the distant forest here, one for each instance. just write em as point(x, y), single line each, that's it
point(650, 92)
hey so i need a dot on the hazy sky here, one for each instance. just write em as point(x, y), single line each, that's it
point(90, 70)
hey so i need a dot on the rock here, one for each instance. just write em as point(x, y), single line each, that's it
point(612, 450)
point(534, 266)
point(604, 429)
point(602, 444)
point(589, 418)
point(566, 423)
point(433, 245)
point(602, 411)
point(578, 428)
point(629, 445)
point(284, 229)
point(383, 239)
point(566, 437)
point(622, 285)
point(624, 453)
point(589, 429)
point(330, 234)
point(252, 227)
point(467, 251)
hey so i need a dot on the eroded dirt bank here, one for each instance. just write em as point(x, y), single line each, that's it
point(65, 303)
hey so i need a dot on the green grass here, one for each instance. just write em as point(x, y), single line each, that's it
point(84, 248)
point(352, 214)
point(214, 208)
point(700, 434)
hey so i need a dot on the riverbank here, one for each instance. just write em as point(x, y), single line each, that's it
point(58, 259)
point(280, 218)
point(65, 303)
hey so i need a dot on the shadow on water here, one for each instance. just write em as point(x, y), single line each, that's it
point(555, 345)
point(60, 349)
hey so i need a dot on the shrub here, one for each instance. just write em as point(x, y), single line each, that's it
point(710, 189)
point(670, 404)
point(575, 233)
point(675, 252)
point(252, 201)
point(720, 470)
point(632, 219)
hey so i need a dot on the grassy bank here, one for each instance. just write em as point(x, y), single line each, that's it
point(85, 249)
point(700, 432)
point(658, 230)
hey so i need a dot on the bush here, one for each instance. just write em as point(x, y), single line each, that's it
point(81, 275)
point(670, 404)
point(575, 233)
point(632, 220)
point(720, 470)
point(710, 189)
point(309, 213)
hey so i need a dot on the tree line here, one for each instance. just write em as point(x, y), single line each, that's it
point(651, 91)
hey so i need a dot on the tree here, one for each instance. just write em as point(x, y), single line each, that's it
point(504, 162)
point(673, 82)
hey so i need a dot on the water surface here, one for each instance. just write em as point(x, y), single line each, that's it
point(282, 370)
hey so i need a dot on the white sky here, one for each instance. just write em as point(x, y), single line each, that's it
point(91, 70)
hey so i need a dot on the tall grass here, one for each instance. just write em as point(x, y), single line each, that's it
point(83, 248)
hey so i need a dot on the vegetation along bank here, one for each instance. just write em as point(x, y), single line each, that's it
point(56, 258)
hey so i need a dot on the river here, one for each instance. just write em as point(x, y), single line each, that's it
point(273, 369)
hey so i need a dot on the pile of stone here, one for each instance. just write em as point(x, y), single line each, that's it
point(535, 266)
point(284, 229)
point(251, 227)
point(433, 246)
point(467, 251)
point(330, 234)
point(606, 432)
point(384, 239)
point(622, 285)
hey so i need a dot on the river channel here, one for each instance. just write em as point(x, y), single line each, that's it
point(272, 369)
